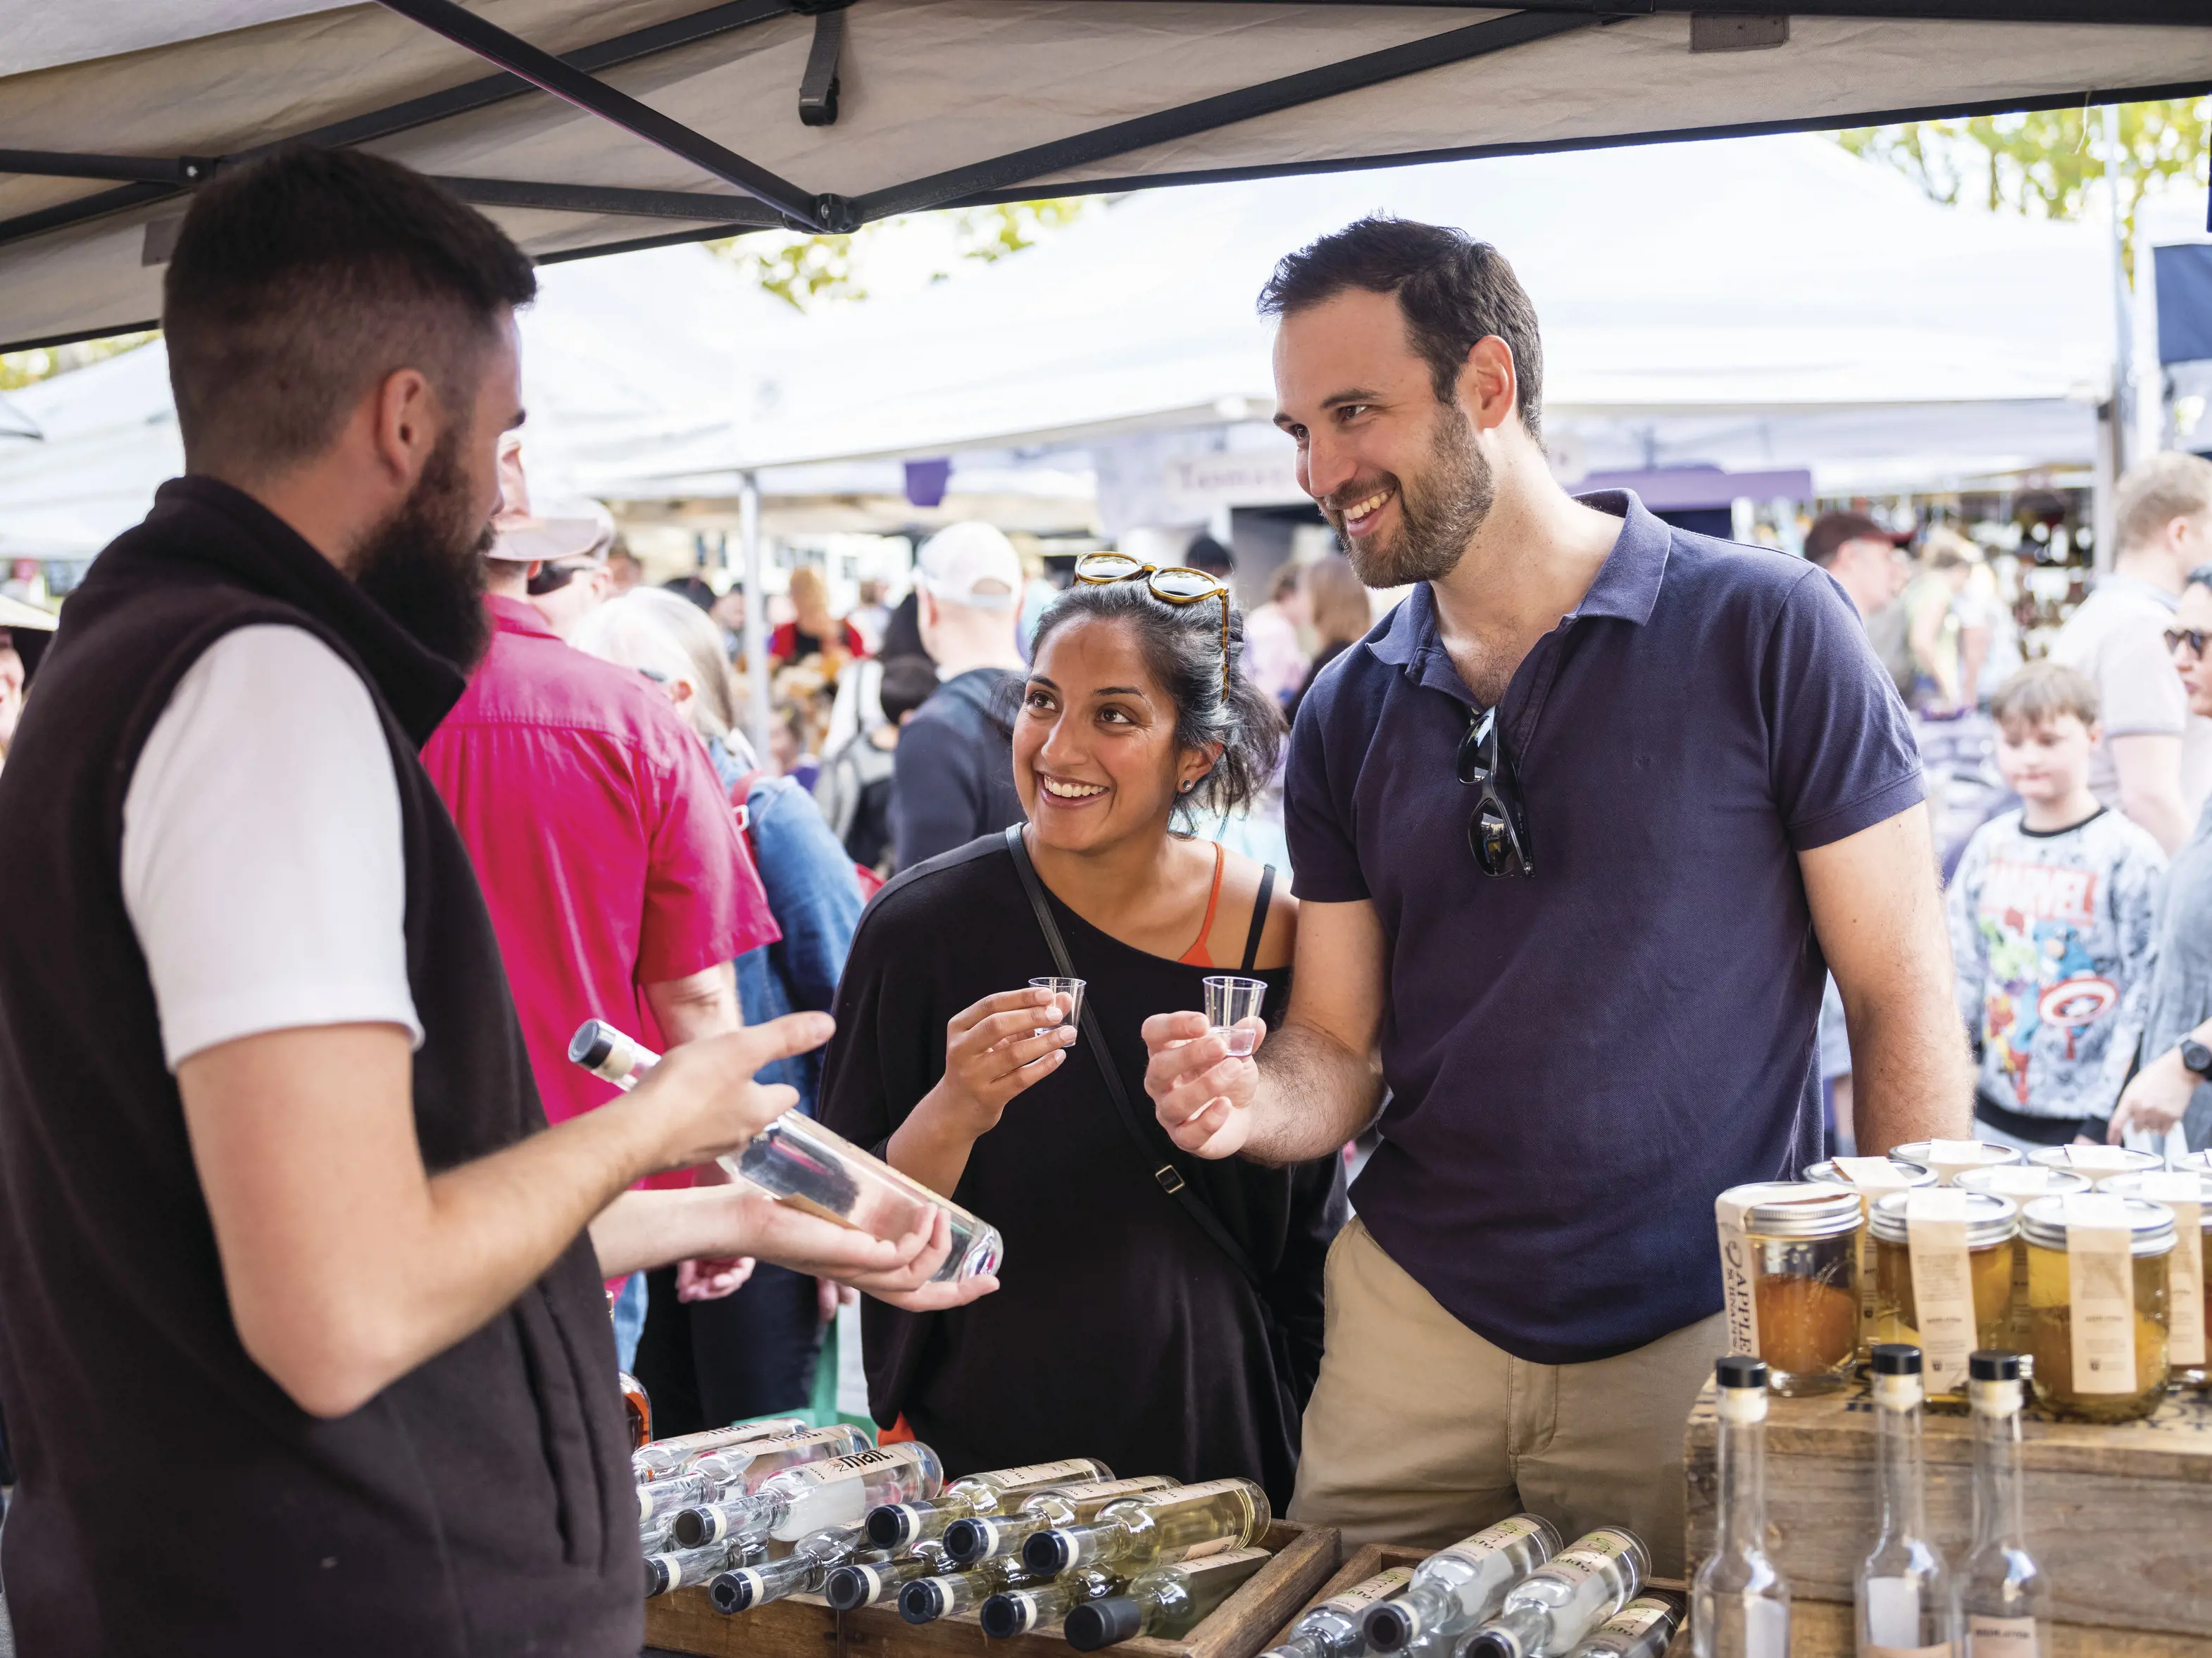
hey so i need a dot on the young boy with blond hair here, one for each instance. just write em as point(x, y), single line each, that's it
point(2051, 924)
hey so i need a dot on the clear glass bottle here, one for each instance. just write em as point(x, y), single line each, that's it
point(1021, 1611)
point(1337, 1627)
point(812, 1559)
point(675, 1569)
point(925, 1599)
point(1644, 1627)
point(880, 1578)
point(738, 1468)
point(797, 1159)
point(1456, 1588)
point(1902, 1590)
point(988, 1537)
point(1742, 1602)
point(816, 1495)
point(1164, 1602)
point(900, 1525)
point(1549, 1612)
point(1155, 1528)
point(659, 1458)
point(2004, 1602)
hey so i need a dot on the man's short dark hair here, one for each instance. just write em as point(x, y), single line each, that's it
point(301, 281)
point(1830, 531)
point(908, 682)
point(1453, 290)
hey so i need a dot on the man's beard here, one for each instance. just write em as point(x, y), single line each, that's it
point(424, 566)
point(1439, 509)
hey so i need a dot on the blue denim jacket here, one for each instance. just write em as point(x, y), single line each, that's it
point(814, 895)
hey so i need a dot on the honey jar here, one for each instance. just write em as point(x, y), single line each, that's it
point(1951, 1158)
point(1870, 1177)
point(1789, 1269)
point(2098, 1312)
point(2099, 1163)
point(2019, 1182)
point(1943, 1278)
point(2188, 1193)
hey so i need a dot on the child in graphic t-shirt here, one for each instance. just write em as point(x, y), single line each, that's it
point(2051, 914)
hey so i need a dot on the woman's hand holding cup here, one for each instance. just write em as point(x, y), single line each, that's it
point(995, 1049)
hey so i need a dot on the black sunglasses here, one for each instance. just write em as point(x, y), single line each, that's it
point(1497, 832)
point(2193, 637)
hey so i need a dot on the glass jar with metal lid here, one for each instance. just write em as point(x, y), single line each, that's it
point(2096, 1164)
point(2188, 1193)
point(2098, 1313)
point(1789, 1267)
point(1987, 1228)
point(2020, 1181)
point(1870, 1177)
point(1951, 1158)
point(2200, 1161)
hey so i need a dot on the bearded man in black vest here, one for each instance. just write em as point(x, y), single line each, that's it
point(303, 1346)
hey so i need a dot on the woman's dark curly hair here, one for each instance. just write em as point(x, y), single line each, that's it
point(1182, 648)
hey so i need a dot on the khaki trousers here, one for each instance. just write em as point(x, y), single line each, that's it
point(1420, 1431)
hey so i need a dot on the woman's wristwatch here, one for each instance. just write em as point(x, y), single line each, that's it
point(2197, 1058)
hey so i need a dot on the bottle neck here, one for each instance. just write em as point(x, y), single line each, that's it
point(1524, 1624)
point(1998, 1515)
point(1898, 1490)
point(1743, 1524)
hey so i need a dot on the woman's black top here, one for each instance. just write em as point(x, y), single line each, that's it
point(1119, 1330)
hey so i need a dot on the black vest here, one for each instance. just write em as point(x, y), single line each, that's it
point(173, 1500)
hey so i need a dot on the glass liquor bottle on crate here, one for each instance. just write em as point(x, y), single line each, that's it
point(901, 1525)
point(871, 1581)
point(1017, 1611)
point(806, 1499)
point(659, 1458)
point(1336, 1628)
point(2004, 1602)
point(1902, 1590)
point(987, 1537)
point(1165, 1602)
point(925, 1599)
point(715, 1476)
point(680, 1568)
point(1550, 1611)
point(813, 1558)
point(1741, 1602)
point(1644, 1627)
point(1154, 1529)
point(1456, 1588)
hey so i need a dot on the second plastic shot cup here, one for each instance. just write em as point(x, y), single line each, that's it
point(1072, 989)
point(1229, 1001)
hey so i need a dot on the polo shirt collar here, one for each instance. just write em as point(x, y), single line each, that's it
point(2113, 582)
point(518, 616)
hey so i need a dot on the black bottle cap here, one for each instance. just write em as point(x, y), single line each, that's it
point(1048, 1553)
point(1005, 1616)
point(1488, 1645)
point(846, 1588)
point(590, 1046)
point(891, 1526)
point(964, 1541)
point(1387, 1627)
point(1096, 1624)
point(921, 1601)
point(1991, 1365)
point(1740, 1370)
point(731, 1592)
point(689, 1528)
point(656, 1579)
point(1890, 1358)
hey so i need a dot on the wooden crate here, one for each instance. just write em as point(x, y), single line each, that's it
point(2118, 1517)
point(805, 1627)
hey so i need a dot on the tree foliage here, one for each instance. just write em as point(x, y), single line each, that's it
point(2046, 163)
point(21, 368)
point(803, 270)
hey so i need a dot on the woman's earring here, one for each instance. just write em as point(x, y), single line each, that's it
point(1187, 787)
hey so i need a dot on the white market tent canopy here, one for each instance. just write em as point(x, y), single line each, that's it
point(588, 124)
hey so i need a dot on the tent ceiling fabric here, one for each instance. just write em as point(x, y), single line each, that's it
point(932, 90)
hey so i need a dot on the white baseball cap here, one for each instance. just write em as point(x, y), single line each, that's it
point(972, 563)
point(568, 529)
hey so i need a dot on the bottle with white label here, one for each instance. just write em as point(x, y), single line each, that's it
point(2004, 1602)
point(1337, 1627)
point(797, 1160)
point(659, 1458)
point(1742, 1601)
point(1456, 1588)
point(812, 1559)
point(1156, 1528)
point(880, 1578)
point(677, 1568)
point(925, 1599)
point(1018, 1611)
point(1902, 1590)
point(715, 1476)
point(1550, 1611)
point(990, 1536)
point(901, 1525)
point(803, 1499)
point(1165, 1602)
point(1643, 1629)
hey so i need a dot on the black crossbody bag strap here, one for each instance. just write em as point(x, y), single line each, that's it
point(1164, 1172)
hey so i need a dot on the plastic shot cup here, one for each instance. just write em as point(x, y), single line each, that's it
point(1229, 1001)
point(1070, 990)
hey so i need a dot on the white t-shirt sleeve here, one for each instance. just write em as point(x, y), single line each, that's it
point(263, 866)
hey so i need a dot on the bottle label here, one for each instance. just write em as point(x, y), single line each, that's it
point(1766, 1629)
point(2003, 1637)
point(840, 1468)
point(2101, 1287)
point(1211, 1488)
point(1638, 1616)
point(1595, 1553)
point(1504, 1534)
point(1199, 1551)
point(873, 1582)
point(1941, 1649)
point(2182, 1191)
point(1043, 1473)
point(1360, 1596)
point(1105, 1490)
point(1942, 1291)
point(1893, 1622)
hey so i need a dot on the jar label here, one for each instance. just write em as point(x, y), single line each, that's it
point(1381, 1586)
point(1873, 1173)
point(1942, 1286)
point(2100, 1285)
point(2182, 1191)
point(1952, 1158)
point(1999, 1637)
point(2099, 1159)
point(1739, 1276)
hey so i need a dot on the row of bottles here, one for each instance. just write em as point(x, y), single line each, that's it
point(1908, 1603)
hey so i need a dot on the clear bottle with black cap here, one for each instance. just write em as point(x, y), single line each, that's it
point(838, 1492)
point(813, 1558)
point(715, 1476)
point(797, 1159)
point(676, 1569)
point(901, 1525)
point(1337, 1627)
point(1456, 1588)
point(1547, 1612)
point(868, 1582)
point(1742, 1602)
point(1164, 1602)
point(990, 1536)
point(1902, 1590)
point(1155, 1528)
point(2004, 1600)
point(1644, 1627)
point(925, 1599)
point(657, 1458)
point(1020, 1611)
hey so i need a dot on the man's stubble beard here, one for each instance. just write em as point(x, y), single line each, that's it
point(424, 566)
point(1439, 510)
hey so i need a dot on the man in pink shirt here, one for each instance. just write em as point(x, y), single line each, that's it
point(619, 883)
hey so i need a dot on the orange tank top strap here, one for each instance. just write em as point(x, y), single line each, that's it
point(1198, 955)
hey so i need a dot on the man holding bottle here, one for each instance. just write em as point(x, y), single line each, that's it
point(1576, 829)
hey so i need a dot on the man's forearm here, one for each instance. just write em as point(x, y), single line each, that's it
point(2159, 812)
point(1314, 1095)
point(704, 1003)
point(1910, 1076)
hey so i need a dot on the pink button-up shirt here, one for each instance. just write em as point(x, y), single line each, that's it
point(607, 851)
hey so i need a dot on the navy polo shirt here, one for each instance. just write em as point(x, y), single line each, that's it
point(1580, 1061)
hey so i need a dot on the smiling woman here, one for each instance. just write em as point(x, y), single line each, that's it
point(1172, 1356)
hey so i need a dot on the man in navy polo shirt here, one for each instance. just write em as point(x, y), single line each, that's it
point(1576, 828)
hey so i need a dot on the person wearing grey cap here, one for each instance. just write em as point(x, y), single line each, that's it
point(953, 779)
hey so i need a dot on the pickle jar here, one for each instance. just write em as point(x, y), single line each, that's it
point(2095, 1163)
point(1789, 1266)
point(2020, 1181)
point(1951, 1158)
point(2119, 1320)
point(2189, 1343)
point(1991, 1225)
point(1869, 1177)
